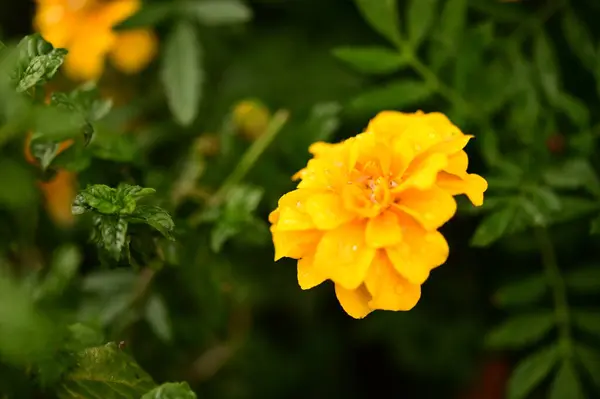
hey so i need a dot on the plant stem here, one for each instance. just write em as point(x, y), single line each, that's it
point(557, 284)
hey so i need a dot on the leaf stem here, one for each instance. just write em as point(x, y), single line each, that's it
point(557, 284)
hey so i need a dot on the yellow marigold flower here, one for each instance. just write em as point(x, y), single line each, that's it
point(367, 210)
point(84, 27)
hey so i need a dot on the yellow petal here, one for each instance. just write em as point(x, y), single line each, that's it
point(292, 211)
point(432, 208)
point(472, 185)
point(425, 175)
point(390, 291)
point(133, 50)
point(308, 275)
point(354, 302)
point(86, 54)
point(419, 252)
point(274, 216)
point(458, 164)
point(327, 211)
point(343, 255)
point(294, 244)
point(383, 230)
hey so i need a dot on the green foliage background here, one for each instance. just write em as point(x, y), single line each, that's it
point(116, 316)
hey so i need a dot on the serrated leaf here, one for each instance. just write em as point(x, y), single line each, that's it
point(99, 198)
point(382, 16)
point(182, 73)
point(587, 320)
point(494, 226)
point(371, 60)
point(113, 234)
point(566, 384)
point(523, 292)
point(151, 14)
point(105, 372)
point(65, 263)
point(155, 217)
point(589, 358)
point(530, 372)
point(41, 69)
point(584, 280)
point(522, 330)
point(579, 39)
point(127, 195)
point(545, 61)
point(395, 95)
point(218, 12)
point(420, 15)
point(157, 316)
point(171, 390)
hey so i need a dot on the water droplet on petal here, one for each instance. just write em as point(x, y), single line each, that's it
point(355, 247)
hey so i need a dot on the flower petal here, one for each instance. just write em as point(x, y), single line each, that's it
point(389, 290)
point(133, 50)
point(425, 174)
point(383, 230)
point(472, 185)
point(343, 255)
point(354, 302)
point(458, 164)
point(432, 208)
point(327, 211)
point(419, 252)
point(308, 275)
point(294, 244)
point(292, 211)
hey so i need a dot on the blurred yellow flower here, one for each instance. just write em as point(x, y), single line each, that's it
point(84, 27)
point(251, 118)
point(367, 210)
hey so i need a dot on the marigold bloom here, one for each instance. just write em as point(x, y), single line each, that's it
point(367, 210)
point(84, 27)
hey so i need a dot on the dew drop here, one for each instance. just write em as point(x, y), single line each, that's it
point(355, 247)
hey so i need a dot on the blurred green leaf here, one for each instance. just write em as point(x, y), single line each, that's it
point(547, 66)
point(589, 358)
point(323, 121)
point(157, 316)
point(171, 390)
point(151, 14)
point(112, 234)
point(420, 17)
point(574, 109)
point(84, 336)
point(218, 12)
point(587, 320)
point(584, 280)
point(155, 217)
point(22, 193)
point(579, 39)
point(221, 233)
point(494, 226)
point(382, 16)
point(394, 95)
point(522, 292)
point(522, 330)
point(503, 12)
point(566, 384)
point(44, 151)
point(530, 372)
point(572, 174)
point(182, 72)
point(371, 60)
point(451, 28)
point(105, 372)
point(65, 263)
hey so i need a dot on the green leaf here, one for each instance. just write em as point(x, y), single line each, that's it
point(127, 195)
point(155, 217)
point(494, 226)
point(572, 174)
point(151, 14)
point(587, 320)
point(503, 12)
point(420, 15)
point(547, 67)
point(241, 201)
point(22, 193)
point(44, 151)
point(323, 121)
point(566, 384)
point(589, 358)
point(171, 390)
point(182, 73)
point(530, 372)
point(371, 60)
point(574, 109)
point(382, 16)
point(84, 336)
point(65, 264)
point(523, 292)
point(450, 33)
point(395, 95)
point(218, 12)
point(579, 39)
point(584, 280)
point(157, 316)
point(112, 234)
point(105, 372)
point(522, 330)
point(99, 198)
point(222, 232)
point(41, 69)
